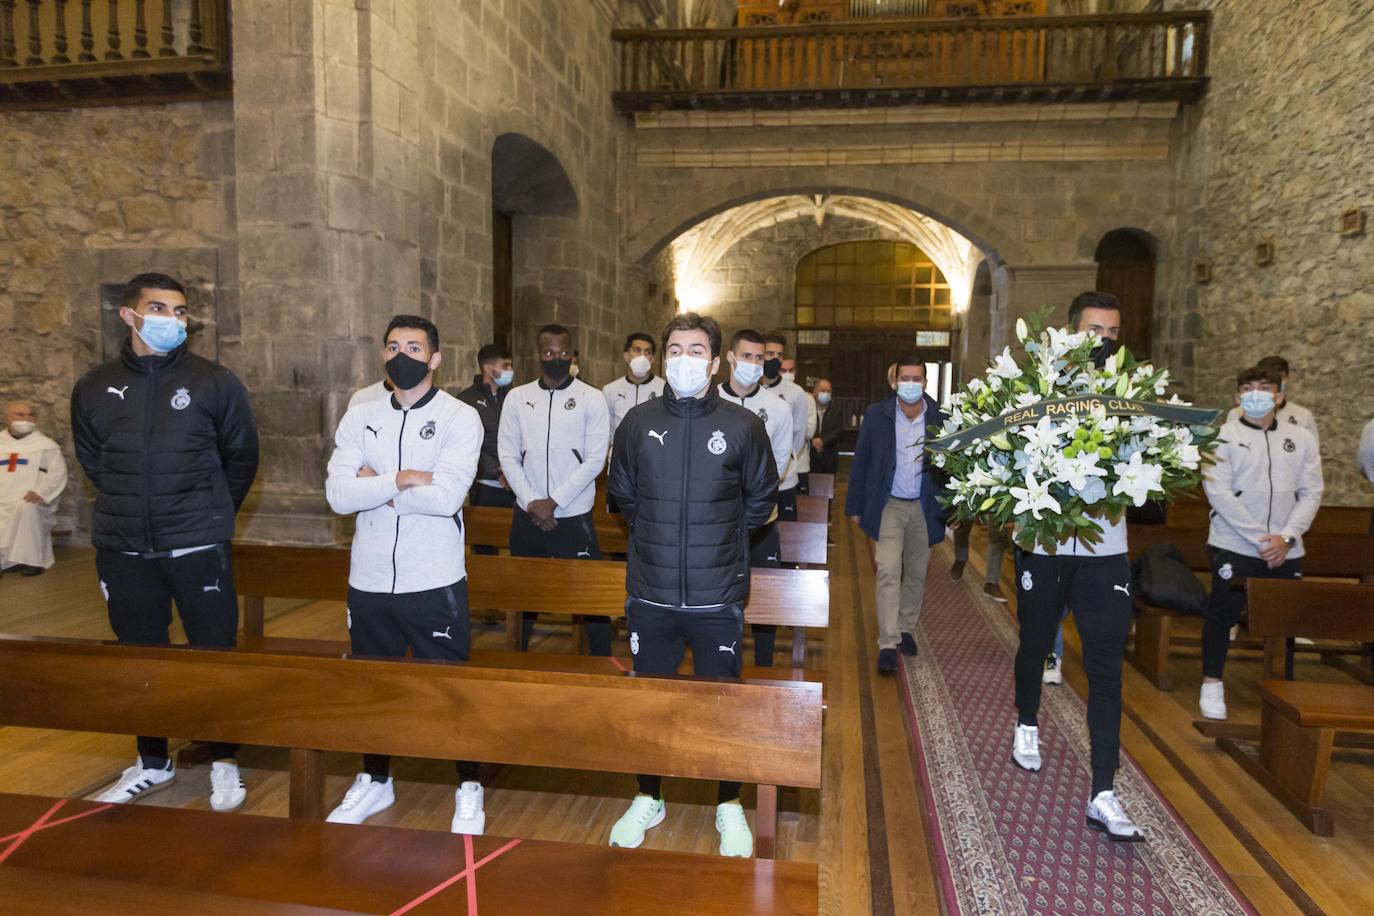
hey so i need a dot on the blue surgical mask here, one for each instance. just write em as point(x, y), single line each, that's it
point(505, 377)
point(747, 374)
point(910, 392)
point(1256, 404)
point(163, 333)
point(823, 398)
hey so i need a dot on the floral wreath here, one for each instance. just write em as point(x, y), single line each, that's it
point(1065, 437)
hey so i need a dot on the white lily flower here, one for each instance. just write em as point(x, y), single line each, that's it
point(1075, 471)
point(1022, 332)
point(1004, 366)
point(1034, 498)
point(1137, 480)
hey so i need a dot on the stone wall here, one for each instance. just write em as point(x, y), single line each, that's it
point(1278, 149)
point(89, 198)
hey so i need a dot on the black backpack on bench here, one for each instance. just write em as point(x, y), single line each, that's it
point(1164, 579)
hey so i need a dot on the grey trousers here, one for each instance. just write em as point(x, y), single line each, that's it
point(902, 555)
point(998, 542)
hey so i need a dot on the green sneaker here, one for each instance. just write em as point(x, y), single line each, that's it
point(645, 812)
point(735, 838)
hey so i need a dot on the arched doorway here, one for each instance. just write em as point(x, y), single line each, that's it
point(859, 306)
point(1126, 269)
point(530, 194)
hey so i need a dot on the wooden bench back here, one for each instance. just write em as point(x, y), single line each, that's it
point(789, 597)
point(822, 485)
point(486, 526)
point(1336, 556)
point(1282, 608)
point(1195, 513)
point(812, 508)
point(758, 732)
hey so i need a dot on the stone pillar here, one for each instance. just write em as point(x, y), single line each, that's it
point(325, 147)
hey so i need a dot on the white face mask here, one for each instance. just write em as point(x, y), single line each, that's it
point(747, 375)
point(687, 374)
point(640, 366)
point(789, 376)
point(21, 428)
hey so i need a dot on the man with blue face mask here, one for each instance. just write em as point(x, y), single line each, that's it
point(892, 490)
point(487, 395)
point(1264, 489)
point(825, 444)
point(169, 442)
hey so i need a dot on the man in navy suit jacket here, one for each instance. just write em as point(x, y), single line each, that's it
point(892, 495)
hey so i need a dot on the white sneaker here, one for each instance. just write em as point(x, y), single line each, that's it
point(362, 800)
point(468, 815)
point(1212, 700)
point(736, 840)
point(1025, 748)
point(227, 790)
point(136, 782)
point(1052, 673)
point(1105, 814)
point(645, 813)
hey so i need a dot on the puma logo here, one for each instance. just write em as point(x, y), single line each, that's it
point(772, 558)
point(730, 648)
point(530, 405)
point(118, 391)
point(442, 635)
point(585, 554)
point(374, 432)
point(659, 436)
point(1124, 589)
point(481, 403)
point(211, 588)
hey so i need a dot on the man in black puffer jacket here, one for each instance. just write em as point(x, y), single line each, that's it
point(693, 474)
point(168, 440)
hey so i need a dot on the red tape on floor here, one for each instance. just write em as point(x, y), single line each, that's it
point(469, 872)
point(43, 824)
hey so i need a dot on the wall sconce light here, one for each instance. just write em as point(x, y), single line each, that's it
point(1202, 273)
point(1264, 253)
point(1352, 223)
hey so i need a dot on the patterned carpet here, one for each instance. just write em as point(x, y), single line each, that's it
point(1008, 841)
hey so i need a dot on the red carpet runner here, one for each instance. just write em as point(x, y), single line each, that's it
point(1008, 841)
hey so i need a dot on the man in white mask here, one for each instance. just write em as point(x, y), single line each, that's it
point(780, 382)
point(638, 384)
point(32, 477)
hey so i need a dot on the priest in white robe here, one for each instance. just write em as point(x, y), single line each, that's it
point(33, 475)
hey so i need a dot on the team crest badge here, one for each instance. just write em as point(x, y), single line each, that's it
point(570, 404)
point(1027, 583)
point(1289, 445)
point(763, 415)
point(716, 444)
point(1226, 572)
point(427, 431)
point(634, 643)
point(181, 400)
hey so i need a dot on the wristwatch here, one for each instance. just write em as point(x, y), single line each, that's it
point(1289, 540)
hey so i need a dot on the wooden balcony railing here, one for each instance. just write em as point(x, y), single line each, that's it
point(62, 53)
point(1067, 58)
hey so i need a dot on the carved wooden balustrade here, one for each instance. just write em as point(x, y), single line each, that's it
point(1062, 58)
point(63, 53)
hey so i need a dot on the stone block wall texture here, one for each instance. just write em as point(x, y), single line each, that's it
point(91, 197)
point(1277, 150)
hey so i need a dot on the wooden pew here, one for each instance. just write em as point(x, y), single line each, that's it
point(822, 485)
point(1336, 556)
point(812, 508)
point(802, 542)
point(763, 732)
point(1194, 513)
point(208, 863)
point(793, 598)
point(1300, 721)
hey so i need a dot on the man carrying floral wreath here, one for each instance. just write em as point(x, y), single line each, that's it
point(1059, 443)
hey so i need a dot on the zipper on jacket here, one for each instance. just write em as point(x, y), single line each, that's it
point(548, 435)
point(1269, 457)
point(682, 535)
point(400, 438)
point(147, 464)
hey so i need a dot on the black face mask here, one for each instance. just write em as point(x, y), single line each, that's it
point(771, 368)
point(1104, 351)
point(405, 372)
point(556, 369)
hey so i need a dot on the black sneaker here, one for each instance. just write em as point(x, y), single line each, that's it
point(908, 644)
point(887, 661)
point(956, 570)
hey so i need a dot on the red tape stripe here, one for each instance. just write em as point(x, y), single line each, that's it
point(471, 869)
point(43, 824)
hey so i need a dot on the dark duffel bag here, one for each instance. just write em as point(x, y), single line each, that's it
point(1165, 580)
